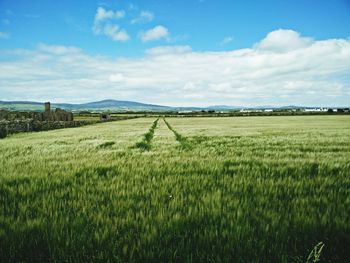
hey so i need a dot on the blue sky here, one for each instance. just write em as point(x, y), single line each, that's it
point(129, 41)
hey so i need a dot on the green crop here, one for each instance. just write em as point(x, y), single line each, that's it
point(242, 189)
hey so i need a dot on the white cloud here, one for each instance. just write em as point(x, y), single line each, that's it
point(144, 17)
point(116, 77)
point(103, 14)
point(103, 26)
point(115, 33)
point(189, 86)
point(314, 73)
point(226, 40)
point(119, 14)
point(282, 40)
point(4, 35)
point(156, 33)
point(58, 50)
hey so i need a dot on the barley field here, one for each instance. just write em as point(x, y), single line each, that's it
point(241, 189)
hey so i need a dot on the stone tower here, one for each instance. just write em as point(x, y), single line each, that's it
point(47, 106)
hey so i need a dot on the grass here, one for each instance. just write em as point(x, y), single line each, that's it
point(255, 189)
point(145, 144)
point(106, 144)
point(87, 117)
point(180, 138)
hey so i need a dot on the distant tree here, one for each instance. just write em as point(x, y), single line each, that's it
point(330, 110)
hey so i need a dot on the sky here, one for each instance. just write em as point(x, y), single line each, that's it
point(177, 53)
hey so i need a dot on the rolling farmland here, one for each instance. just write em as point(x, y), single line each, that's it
point(243, 189)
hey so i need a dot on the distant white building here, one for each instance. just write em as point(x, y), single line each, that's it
point(245, 110)
point(184, 111)
point(268, 110)
point(316, 109)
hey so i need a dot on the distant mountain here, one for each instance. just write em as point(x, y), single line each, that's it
point(21, 102)
point(122, 106)
point(225, 107)
point(99, 106)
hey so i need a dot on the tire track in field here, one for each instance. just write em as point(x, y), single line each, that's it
point(184, 143)
point(146, 143)
point(164, 139)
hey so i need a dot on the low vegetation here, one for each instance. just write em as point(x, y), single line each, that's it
point(257, 189)
point(181, 139)
point(145, 144)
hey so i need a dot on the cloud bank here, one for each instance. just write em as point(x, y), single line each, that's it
point(283, 68)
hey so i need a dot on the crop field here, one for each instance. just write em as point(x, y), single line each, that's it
point(241, 189)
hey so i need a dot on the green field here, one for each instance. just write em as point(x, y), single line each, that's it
point(244, 189)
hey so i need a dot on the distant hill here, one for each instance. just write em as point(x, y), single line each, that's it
point(225, 107)
point(113, 105)
point(122, 106)
point(99, 106)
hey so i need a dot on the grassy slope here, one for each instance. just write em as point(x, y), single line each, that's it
point(248, 189)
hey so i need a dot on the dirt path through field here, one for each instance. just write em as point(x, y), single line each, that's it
point(182, 140)
point(163, 137)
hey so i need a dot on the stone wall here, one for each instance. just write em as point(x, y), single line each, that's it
point(9, 127)
point(57, 115)
point(15, 126)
